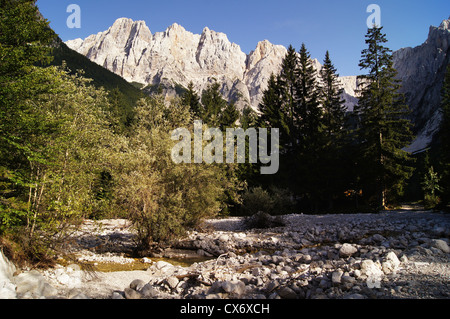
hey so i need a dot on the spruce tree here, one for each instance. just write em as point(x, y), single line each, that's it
point(287, 91)
point(248, 118)
point(273, 112)
point(331, 100)
point(335, 130)
point(213, 105)
point(383, 128)
point(307, 112)
point(309, 144)
point(191, 99)
point(229, 116)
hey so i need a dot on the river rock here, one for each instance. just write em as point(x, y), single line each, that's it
point(347, 250)
point(287, 293)
point(391, 263)
point(172, 282)
point(31, 282)
point(7, 269)
point(373, 272)
point(234, 287)
point(132, 294)
point(148, 291)
point(442, 245)
point(137, 284)
point(336, 277)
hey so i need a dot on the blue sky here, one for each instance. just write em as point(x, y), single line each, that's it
point(337, 26)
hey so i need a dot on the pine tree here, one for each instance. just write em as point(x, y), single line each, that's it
point(335, 130)
point(273, 112)
point(445, 138)
point(213, 105)
point(248, 118)
point(384, 130)
point(191, 99)
point(309, 139)
point(331, 100)
point(229, 116)
point(286, 83)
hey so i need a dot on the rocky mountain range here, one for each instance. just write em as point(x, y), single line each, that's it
point(177, 57)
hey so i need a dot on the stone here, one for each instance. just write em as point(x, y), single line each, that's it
point(137, 284)
point(286, 293)
point(224, 238)
point(7, 269)
point(161, 265)
point(48, 290)
point(80, 296)
point(234, 287)
point(117, 295)
point(132, 294)
point(355, 296)
point(148, 291)
point(373, 272)
point(348, 280)
point(172, 282)
point(336, 277)
point(70, 276)
point(441, 245)
point(272, 285)
point(391, 263)
point(347, 250)
point(30, 282)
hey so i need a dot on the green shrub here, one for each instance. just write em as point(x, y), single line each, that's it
point(277, 201)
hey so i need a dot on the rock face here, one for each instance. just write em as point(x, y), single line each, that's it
point(422, 71)
point(177, 56)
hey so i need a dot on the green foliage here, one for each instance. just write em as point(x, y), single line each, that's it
point(213, 105)
point(313, 131)
point(191, 99)
point(162, 198)
point(430, 186)
point(124, 95)
point(58, 147)
point(24, 37)
point(277, 201)
point(383, 128)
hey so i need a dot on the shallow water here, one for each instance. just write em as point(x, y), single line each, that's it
point(138, 265)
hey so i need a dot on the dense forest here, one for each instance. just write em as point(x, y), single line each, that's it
point(86, 144)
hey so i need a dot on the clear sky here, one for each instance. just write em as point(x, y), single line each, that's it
point(335, 25)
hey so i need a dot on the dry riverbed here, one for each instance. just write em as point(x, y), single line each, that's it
point(391, 255)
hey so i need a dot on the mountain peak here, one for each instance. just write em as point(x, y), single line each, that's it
point(445, 25)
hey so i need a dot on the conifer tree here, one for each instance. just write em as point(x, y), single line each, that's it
point(273, 111)
point(308, 124)
point(331, 99)
point(248, 118)
point(229, 116)
point(287, 91)
point(191, 99)
point(212, 105)
point(383, 128)
point(335, 130)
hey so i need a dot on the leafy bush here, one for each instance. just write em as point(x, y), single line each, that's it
point(276, 202)
point(164, 199)
point(263, 220)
